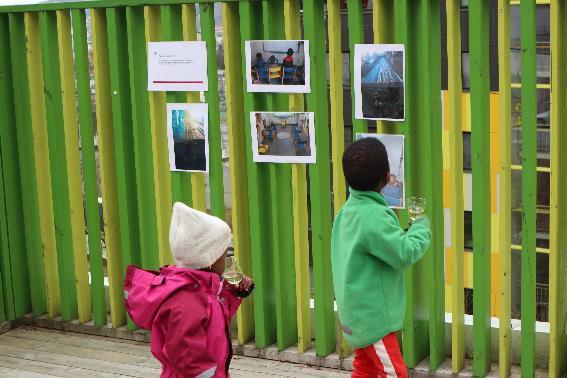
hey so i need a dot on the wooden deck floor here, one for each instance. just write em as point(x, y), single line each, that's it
point(34, 352)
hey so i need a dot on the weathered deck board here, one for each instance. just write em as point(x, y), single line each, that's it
point(33, 352)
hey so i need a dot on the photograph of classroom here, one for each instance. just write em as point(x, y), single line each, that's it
point(277, 62)
point(283, 135)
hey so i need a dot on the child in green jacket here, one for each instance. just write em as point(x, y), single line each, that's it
point(370, 251)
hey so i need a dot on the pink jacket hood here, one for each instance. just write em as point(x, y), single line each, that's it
point(189, 313)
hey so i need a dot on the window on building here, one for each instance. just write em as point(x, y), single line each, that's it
point(468, 238)
point(467, 152)
point(468, 301)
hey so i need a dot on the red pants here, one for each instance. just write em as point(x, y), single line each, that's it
point(382, 359)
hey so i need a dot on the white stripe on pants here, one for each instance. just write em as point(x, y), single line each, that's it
point(385, 359)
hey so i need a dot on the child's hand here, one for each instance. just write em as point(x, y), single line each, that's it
point(245, 284)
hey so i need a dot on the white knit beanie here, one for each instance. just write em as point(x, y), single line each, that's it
point(197, 240)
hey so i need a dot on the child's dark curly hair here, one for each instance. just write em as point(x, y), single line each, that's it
point(365, 164)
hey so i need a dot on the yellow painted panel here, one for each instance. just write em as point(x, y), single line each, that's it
point(447, 195)
point(449, 265)
point(468, 271)
point(493, 193)
point(445, 147)
point(466, 112)
point(42, 164)
point(74, 177)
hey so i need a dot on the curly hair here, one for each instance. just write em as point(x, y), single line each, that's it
point(365, 164)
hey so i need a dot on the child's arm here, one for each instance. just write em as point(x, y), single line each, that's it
point(397, 248)
point(234, 295)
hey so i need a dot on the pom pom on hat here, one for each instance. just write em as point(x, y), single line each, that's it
point(197, 240)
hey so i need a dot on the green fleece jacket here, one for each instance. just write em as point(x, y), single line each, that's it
point(370, 251)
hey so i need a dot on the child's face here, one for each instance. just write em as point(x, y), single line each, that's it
point(218, 266)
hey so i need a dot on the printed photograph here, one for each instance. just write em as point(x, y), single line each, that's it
point(278, 66)
point(394, 191)
point(379, 82)
point(187, 129)
point(283, 137)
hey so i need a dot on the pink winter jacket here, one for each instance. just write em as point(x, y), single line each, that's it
point(189, 313)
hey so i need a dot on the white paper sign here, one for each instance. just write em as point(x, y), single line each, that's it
point(177, 66)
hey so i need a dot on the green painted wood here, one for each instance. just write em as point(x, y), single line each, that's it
point(172, 24)
point(145, 186)
point(237, 157)
point(416, 328)
point(82, 4)
point(58, 160)
point(480, 126)
point(16, 300)
point(89, 167)
point(216, 185)
point(529, 184)
point(558, 217)
point(430, 93)
point(259, 200)
point(320, 181)
point(6, 291)
point(122, 122)
point(123, 138)
point(282, 214)
point(355, 36)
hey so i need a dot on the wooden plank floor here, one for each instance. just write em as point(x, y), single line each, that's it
point(33, 352)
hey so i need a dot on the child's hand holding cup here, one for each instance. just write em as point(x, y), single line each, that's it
point(234, 276)
point(416, 207)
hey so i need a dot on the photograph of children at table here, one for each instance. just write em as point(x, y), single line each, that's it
point(278, 66)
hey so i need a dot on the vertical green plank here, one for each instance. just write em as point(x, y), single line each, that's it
point(28, 279)
point(558, 219)
point(432, 163)
point(145, 185)
point(6, 297)
point(16, 288)
point(282, 214)
point(355, 36)
point(56, 137)
point(504, 210)
point(259, 200)
point(416, 332)
point(529, 184)
point(216, 185)
point(455, 146)
point(300, 210)
point(108, 174)
point(319, 175)
point(73, 164)
point(123, 136)
point(171, 20)
point(89, 166)
point(480, 126)
point(237, 157)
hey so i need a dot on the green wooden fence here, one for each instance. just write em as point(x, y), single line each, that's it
point(281, 214)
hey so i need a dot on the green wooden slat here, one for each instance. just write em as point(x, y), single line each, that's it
point(355, 36)
point(429, 67)
point(319, 174)
point(558, 217)
point(145, 185)
point(14, 297)
point(529, 184)
point(6, 291)
point(416, 333)
point(282, 214)
point(82, 4)
point(35, 275)
point(57, 158)
point(505, 201)
point(216, 185)
point(89, 167)
point(258, 194)
point(455, 147)
point(122, 122)
point(480, 126)
point(237, 155)
point(171, 20)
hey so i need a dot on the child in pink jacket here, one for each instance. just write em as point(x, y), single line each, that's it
point(188, 307)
